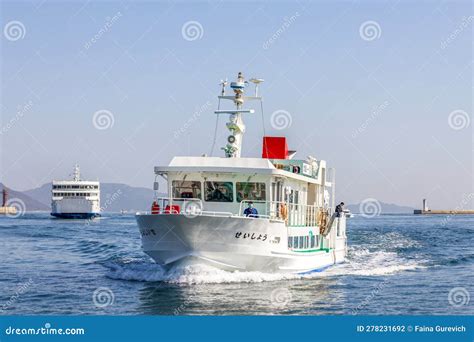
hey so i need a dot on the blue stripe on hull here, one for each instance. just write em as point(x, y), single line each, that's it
point(75, 215)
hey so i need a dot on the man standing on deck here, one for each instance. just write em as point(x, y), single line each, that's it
point(250, 211)
point(339, 209)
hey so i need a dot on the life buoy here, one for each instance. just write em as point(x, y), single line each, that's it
point(283, 211)
point(155, 208)
point(323, 221)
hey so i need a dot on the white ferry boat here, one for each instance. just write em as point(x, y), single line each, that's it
point(269, 214)
point(76, 198)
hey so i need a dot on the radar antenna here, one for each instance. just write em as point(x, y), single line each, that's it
point(77, 173)
point(223, 84)
point(236, 125)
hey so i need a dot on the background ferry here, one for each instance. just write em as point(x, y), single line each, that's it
point(76, 198)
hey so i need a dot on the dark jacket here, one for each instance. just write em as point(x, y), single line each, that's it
point(251, 212)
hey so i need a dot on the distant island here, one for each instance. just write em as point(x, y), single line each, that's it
point(385, 208)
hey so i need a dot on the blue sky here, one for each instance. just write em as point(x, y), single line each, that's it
point(376, 107)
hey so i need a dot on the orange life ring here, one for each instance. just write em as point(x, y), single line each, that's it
point(323, 221)
point(283, 211)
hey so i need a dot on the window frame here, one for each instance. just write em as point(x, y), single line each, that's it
point(264, 198)
point(201, 192)
point(205, 192)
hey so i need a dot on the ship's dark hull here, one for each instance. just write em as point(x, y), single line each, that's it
point(75, 215)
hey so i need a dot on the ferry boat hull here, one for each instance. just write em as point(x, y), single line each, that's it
point(229, 243)
point(76, 208)
point(75, 215)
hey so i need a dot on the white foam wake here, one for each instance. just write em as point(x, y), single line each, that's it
point(362, 262)
point(192, 274)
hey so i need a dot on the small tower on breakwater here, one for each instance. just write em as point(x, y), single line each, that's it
point(5, 209)
point(457, 211)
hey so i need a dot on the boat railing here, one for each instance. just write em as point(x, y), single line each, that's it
point(190, 207)
point(294, 214)
point(171, 205)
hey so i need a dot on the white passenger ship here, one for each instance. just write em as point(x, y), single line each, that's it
point(75, 198)
point(289, 226)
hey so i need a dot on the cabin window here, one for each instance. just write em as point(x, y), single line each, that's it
point(301, 243)
point(186, 189)
point(313, 241)
point(290, 242)
point(219, 192)
point(293, 197)
point(306, 241)
point(250, 191)
point(295, 242)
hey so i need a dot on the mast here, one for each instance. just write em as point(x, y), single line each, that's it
point(236, 124)
point(77, 173)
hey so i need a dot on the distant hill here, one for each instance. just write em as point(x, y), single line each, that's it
point(114, 197)
point(385, 208)
point(31, 203)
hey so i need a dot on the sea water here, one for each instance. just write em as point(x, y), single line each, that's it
point(397, 264)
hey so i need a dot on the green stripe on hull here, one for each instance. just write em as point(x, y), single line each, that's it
point(314, 250)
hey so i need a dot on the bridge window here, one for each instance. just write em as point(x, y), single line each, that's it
point(250, 191)
point(219, 192)
point(293, 197)
point(186, 189)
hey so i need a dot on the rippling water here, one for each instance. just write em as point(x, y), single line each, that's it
point(397, 264)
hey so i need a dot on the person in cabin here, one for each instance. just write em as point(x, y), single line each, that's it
point(250, 211)
point(339, 209)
